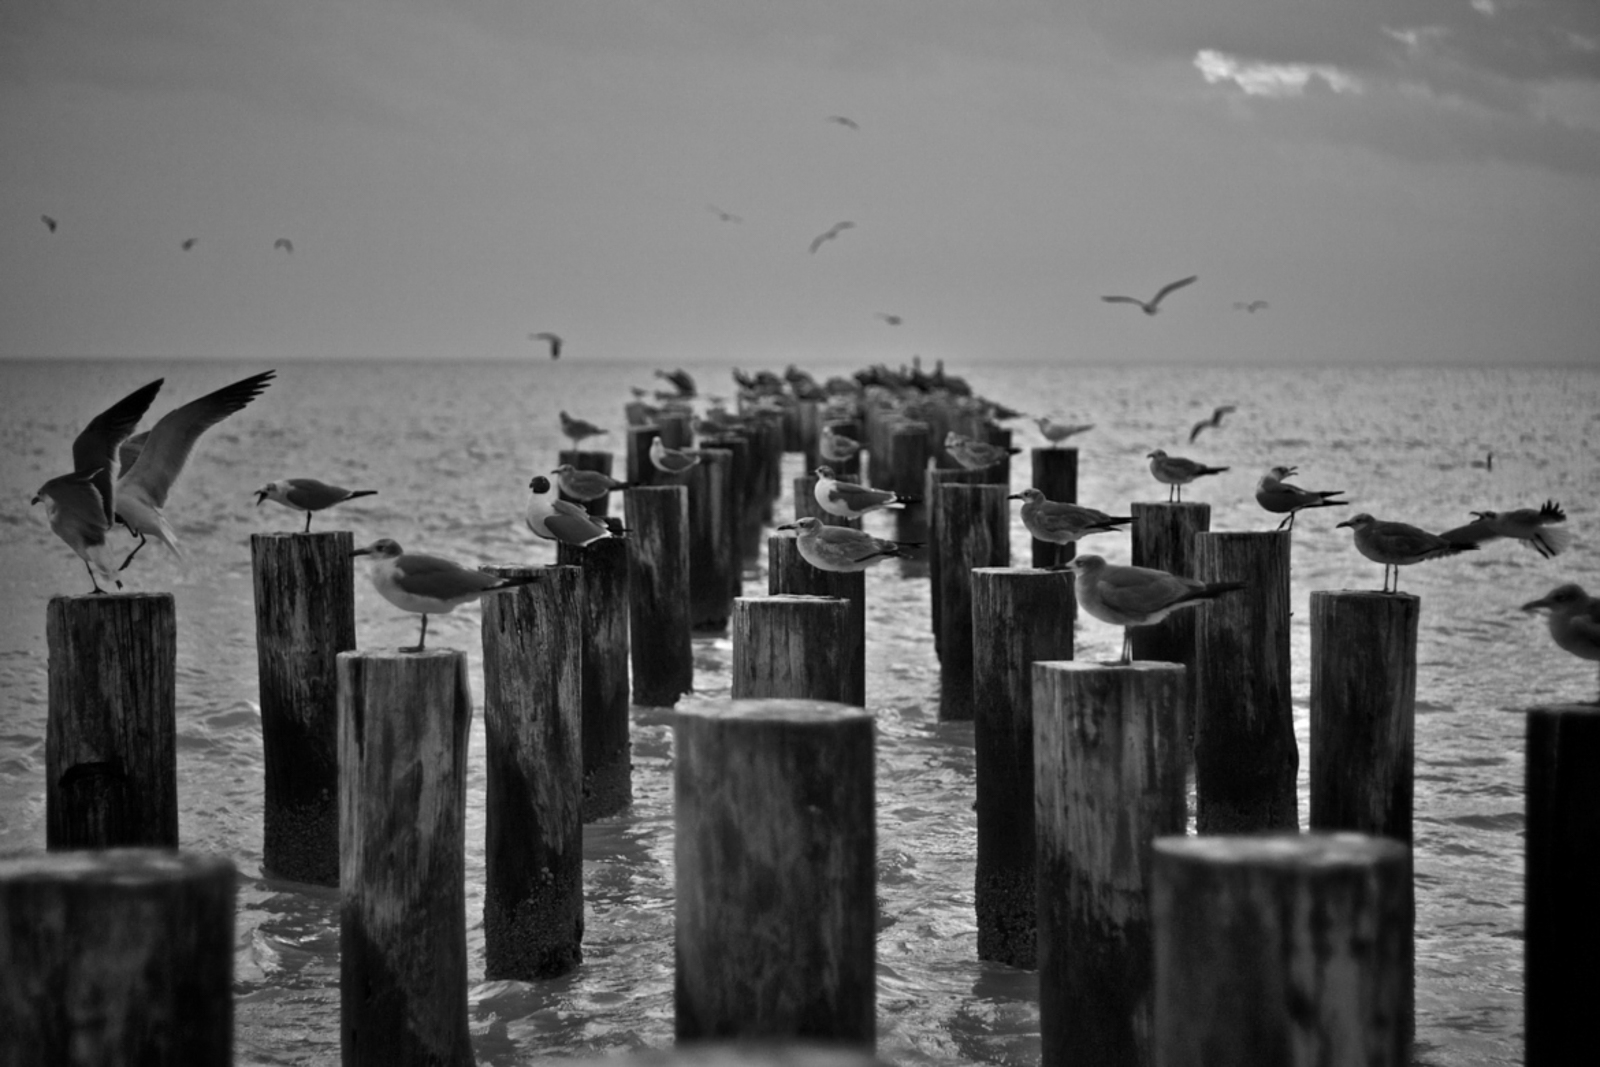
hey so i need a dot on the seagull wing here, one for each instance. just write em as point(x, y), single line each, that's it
point(1201, 425)
point(1171, 286)
point(97, 448)
point(441, 579)
point(1142, 590)
point(170, 442)
point(1122, 300)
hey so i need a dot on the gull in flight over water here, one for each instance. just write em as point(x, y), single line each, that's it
point(1214, 422)
point(892, 320)
point(189, 242)
point(835, 230)
point(1281, 498)
point(427, 585)
point(849, 500)
point(50, 223)
point(1251, 306)
point(285, 244)
point(1136, 596)
point(1532, 525)
point(840, 548)
point(1153, 305)
point(1396, 544)
point(1574, 619)
point(1177, 472)
point(725, 216)
point(307, 495)
point(842, 120)
point(551, 339)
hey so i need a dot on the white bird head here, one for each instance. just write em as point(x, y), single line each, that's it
point(382, 548)
point(1029, 495)
point(1086, 564)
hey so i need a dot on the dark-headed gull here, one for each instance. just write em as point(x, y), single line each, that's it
point(1281, 498)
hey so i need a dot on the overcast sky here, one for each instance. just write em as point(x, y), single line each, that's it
point(1401, 180)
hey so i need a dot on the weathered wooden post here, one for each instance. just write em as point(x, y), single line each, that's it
point(806, 506)
point(1164, 538)
point(590, 461)
point(1018, 616)
point(850, 465)
point(740, 464)
point(935, 478)
point(111, 757)
point(658, 583)
point(907, 459)
point(533, 731)
point(677, 427)
point(1563, 863)
point(1109, 777)
point(1000, 437)
point(735, 1053)
point(973, 532)
point(776, 878)
point(607, 768)
point(1285, 949)
point(1055, 474)
point(714, 572)
point(305, 617)
point(403, 724)
point(641, 472)
point(788, 572)
point(118, 956)
point(791, 645)
point(1246, 758)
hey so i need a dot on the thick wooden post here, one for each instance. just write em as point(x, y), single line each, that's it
point(776, 876)
point(120, 956)
point(714, 572)
point(403, 724)
point(1246, 758)
point(1109, 773)
point(533, 736)
point(935, 479)
point(658, 594)
point(741, 462)
point(788, 572)
point(1055, 474)
point(907, 460)
point(1285, 949)
point(641, 472)
point(607, 768)
point(790, 646)
point(1163, 538)
point(1018, 616)
point(677, 428)
point(590, 461)
point(305, 617)
point(973, 532)
point(111, 757)
point(1563, 865)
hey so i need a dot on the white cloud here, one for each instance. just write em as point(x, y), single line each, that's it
point(1257, 78)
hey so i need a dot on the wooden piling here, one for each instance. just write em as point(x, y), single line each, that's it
point(790, 646)
point(661, 650)
point(1246, 757)
point(1563, 861)
point(404, 718)
point(714, 571)
point(607, 768)
point(533, 736)
point(907, 459)
point(776, 879)
point(588, 461)
point(973, 532)
point(305, 616)
point(1055, 474)
point(641, 472)
point(934, 478)
point(788, 572)
point(1018, 616)
point(677, 428)
point(117, 956)
point(1280, 948)
point(1163, 538)
point(111, 758)
point(1109, 778)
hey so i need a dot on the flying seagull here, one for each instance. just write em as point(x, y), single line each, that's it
point(49, 222)
point(188, 243)
point(1525, 524)
point(1214, 422)
point(834, 231)
point(847, 123)
point(892, 320)
point(725, 216)
point(1252, 306)
point(288, 245)
point(1155, 301)
point(553, 340)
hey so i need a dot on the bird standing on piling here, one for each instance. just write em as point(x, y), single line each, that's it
point(586, 485)
point(1177, 472)
point(554, 519)
point(427, 585)
point(849, 500)
point(578, 429)
point(1056, 432)
point(72, 506)
point(308, 495)
point(1574, 619)
point(841, 549)
point(975, 455)
point(1396, 544)
point(1530, 525)
point(1281, 498)
point(670, 460)
point(835, 446)
point(1062, 523)
point(1136, 596)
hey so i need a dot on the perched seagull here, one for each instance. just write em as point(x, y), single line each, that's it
point(1061, 523)
point(427, 585)
point(551, 339)
point(1524, 524)
point(849, 500)
point(1574, 619)
point(307, 495)
point(831, 444)
point(840, 548)
point(578, 429)
point(73, 507)
point(189, 242)
point(50, 223)
point(585, 485)
point(670, 460)
point(680, 380)
point(1177, 472)
point(723, 215)
point(554, 519)
point(1056, 432)
point(975, 455)
point(835, 230)
point(285, 244)
point(1214, 422)
point(1252, 306)
point(1281, 498)
point(142, 490)
point(1395, 544)
point(841, 120)
point(892, 320)
point(1136, 596)
point(1154, 303)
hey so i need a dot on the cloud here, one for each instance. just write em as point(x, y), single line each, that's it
point(1271, 79)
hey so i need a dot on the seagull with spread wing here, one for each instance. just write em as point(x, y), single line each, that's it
point(1213, 423)
point(551, 339)
point(835, 230)
point(1151, 306)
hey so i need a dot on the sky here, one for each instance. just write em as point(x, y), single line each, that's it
point(1402, 181)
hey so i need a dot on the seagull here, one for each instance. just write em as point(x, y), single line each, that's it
point(189, 242)
point(975, 455)
point(73, 507)
point(102, 447)
point(427, 585)
point(841, 120)
point(554, 519)
point(1395, 544)
point(285, 244)
point(1177, 472)
point(831, 444)
point(307, 495)
point(680, 380)
point(1279, 497)
point(1574, 619)
point(1524, 524)
point(840, 548)
point(1214, 422)
point(849, 500)
point(551, 339)
point(723, 215)
point(1484, 464)
point(578, 429)
point(1155, 301)
point(50, 223)
point(142, 490)
point(1252, 306)
point(892, 320)
point(835, 230)
point(1062, 523)
point(1136, 596)
point(670, 460)
point(1056, 432)
point(585, 485)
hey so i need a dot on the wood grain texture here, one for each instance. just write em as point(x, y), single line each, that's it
point(935, 478)
point(119, 956)
point(641, 472)
point(714, 571)
point(661, 644)
point(974, 531)
point(788, 572)
point(111, 764)
point(1163, 538)
point(1055, 474)
point(607, 766)
point(791, 646)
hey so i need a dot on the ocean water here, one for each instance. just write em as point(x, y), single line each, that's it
point(450, 447)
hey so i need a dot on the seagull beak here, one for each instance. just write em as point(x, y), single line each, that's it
point(1014, 496)
point(261, 494)
point(1344, 523)
point(1542, 602)
point(37, 497)
point(1292, 471)
point(361, 552)
point(788, 526)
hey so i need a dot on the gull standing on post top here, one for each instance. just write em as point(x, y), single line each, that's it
point(1062, 523)
point(1153, 305)
point(1280, 498)
point(1574, 619)
point(1396, 544)
point(307, 495)
point(554, 519)
point(975, 455)
point(849, 500)
point(1177, 472)
point(586, 485)
point(427, 585)
point(841, 549)
point(1525, 524)
point(578, 429)
point(1136, 596)
point(836, 446)
point(670, 460)
point(1056, 432)
point(1214, 422)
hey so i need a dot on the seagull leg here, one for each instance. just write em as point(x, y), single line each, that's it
point(308, 522)
point(1127, 647)
point(422, 638)
point(94, 583)
point(135, 552)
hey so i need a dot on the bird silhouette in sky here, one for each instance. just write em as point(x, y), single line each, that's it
point(49, 222)
point(1213, 423)
point(551, 339)
point(833, 231)
point(1252, 306)
point(725, 216)
point(892, 320)
point(1154, 304)
point(188, 243)
point(285, 244)
point(847, 123)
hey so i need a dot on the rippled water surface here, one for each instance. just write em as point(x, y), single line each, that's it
point(450, 447)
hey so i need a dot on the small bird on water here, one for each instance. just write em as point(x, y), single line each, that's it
point(1574, 619)
point(975, 455)
point(307, 495)
point(1136, 596)
point(849, 500)
point(427, 585)
point(1281, 498)
point(1396, 544)
point(841, 549)
point(1531, 525)
point(1062, 523)
point(1177, 472)
point(1151, 306)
